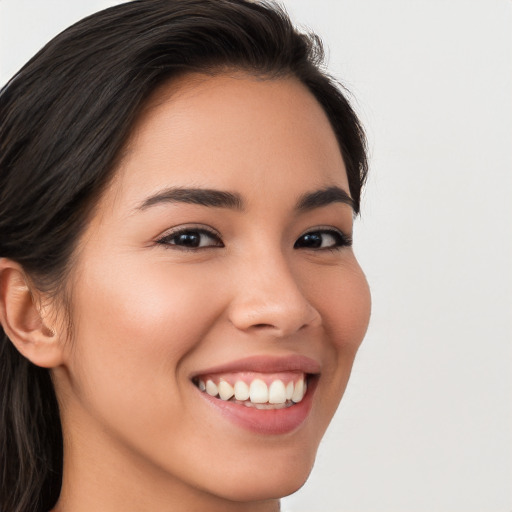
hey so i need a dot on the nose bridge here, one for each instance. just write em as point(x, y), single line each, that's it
point(269, 296)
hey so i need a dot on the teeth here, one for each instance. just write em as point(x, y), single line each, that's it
point(289, 390)
point(241, 390)
point(226, 391)
point(211, 388)
point(258, 392)
point(298, 392)
point(264, 407)
point(277, 393)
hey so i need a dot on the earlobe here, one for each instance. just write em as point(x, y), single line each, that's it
point(23, 319)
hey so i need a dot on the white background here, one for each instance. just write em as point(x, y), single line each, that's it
point(426, 423)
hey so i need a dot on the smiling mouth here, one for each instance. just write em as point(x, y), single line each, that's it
point(262, 391)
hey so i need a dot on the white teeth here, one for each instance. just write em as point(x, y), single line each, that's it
point(266, 407)
point(289, 390)
point(211, 388)
point(298, 392)
point(277, 393)
point(226, 391)
point(241, 390)
point(258, 392)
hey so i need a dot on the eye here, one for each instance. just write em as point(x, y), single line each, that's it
point(191, 238)
point(323, 239)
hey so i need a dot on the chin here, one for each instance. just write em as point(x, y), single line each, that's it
point(254, 490)
point(274, 480)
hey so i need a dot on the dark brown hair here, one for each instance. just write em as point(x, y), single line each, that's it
point(64, 118)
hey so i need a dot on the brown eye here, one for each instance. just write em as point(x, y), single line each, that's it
point(323, 239)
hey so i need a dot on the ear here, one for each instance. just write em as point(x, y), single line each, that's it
point(23, 318)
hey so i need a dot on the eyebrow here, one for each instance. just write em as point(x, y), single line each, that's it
point(201, 196)
point(324, 197)
point(232, 200)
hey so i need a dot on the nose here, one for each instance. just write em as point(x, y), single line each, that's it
point(269, 300)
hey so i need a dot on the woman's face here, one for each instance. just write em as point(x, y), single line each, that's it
point(219, 257)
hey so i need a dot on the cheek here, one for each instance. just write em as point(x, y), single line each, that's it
point(345, 303)
point(350, 319)
point(151, 302)
point(139, 321)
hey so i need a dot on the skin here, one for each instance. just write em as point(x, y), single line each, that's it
point(147, 315)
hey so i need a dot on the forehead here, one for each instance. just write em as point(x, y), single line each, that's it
point(232, 132)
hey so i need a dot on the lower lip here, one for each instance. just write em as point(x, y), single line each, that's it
point(266, 421)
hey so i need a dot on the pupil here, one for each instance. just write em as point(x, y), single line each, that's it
point(188, 239)
point(313, 240)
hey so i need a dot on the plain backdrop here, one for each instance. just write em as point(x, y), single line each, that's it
point(426, 422)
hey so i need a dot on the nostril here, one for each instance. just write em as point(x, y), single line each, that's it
point(271, 326)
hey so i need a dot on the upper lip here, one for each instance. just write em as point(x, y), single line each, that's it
point(265, 364)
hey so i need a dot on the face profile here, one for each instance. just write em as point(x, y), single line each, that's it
point(211, 306)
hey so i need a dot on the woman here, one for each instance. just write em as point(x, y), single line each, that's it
point(179, 297)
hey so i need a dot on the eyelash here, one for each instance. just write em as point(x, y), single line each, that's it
point(340, 239)
point(166, 239)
